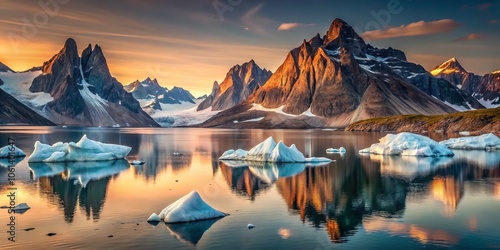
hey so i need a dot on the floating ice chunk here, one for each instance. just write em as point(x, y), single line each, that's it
point(154, 218)
point(189, 208)
point(409, 144)
point(364, 151)
point(250, 226)
point(341, 150)
point(486, 141)
point(269, 151)
point(6, 152)
point(83, 150)
point(137, 162)
point(21, 207)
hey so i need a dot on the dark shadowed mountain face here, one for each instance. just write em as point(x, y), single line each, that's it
point(340, 79)
point(484, 88)
point(4, 68)
point(241, 81)
point(151, 90)
point(85, 93)
point(13, 112)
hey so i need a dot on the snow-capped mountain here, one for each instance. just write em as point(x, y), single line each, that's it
point(241, 81)
point(13, 112)
point(73, 90)
point(149, 92)
point(484, 88)
point(338, 79)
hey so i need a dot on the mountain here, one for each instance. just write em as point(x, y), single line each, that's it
point(240, 82)
point(151, 90)
point(484, 88)
point(4, 68)
point(338, 79)
point(13, 112)
point(84, 92)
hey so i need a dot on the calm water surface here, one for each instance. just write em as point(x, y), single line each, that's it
point(356, 202)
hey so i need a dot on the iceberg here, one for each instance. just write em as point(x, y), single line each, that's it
point(6, 152)
point(83, 150)
point(21, 208)
point(486, 141)
point(136, 162)
point(154, 218)
point(270, 151)
point(341, 150)
point(188, 209)
point(408, 144)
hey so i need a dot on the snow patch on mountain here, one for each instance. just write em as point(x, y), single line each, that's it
point(18, 84)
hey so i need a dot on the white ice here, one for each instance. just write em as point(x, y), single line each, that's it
point(189, 208)
point(4, 152)
point(270, 151)
point(83, 150)
point(341, 150)
point(154, 218)
point(408, 144)
point(21, 206)
point(486, 141)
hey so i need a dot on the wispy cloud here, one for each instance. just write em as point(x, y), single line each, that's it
point(414, 29)
point(494, 21)
point(472, 36)
point(485, 6)
point(256, 22)
point(290, 26)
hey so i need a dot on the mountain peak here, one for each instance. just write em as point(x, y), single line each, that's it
point(448, 67)
point(341, 34)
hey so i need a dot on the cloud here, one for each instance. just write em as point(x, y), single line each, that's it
point(472, 36)
point(256, 22)
point(485, 6)
point(289, 26)
point(494, 21)
point(414, 29)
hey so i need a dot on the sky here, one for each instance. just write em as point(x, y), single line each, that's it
point(192, 43)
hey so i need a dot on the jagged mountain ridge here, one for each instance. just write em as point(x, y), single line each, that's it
point(85, 93)
point(484, 88)
point(150, 89)
point(5, 68)
point(240, 82)
point(339, 80)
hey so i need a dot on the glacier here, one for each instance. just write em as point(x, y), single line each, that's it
point(4, 152)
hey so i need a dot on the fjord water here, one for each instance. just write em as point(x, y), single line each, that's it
point(358, 202)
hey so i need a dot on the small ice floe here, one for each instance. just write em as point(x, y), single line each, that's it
point(235, 121)
point(22, 207)
point(177, 153)
point(250, 226)
point(464, 133)
point(154, 218)
point(270, 151)
point(486, 141)
point(341, 150)
point(188, 209)
point(137, 162)
point(11, 151)
point(83, 150)
point(408, 144)
point(64, 126)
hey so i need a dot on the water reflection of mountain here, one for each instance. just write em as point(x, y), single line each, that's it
point(242, 182)
point(77, 184)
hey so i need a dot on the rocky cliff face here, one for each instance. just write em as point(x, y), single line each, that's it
point(484, 88)
point(85, 93)
point(13, 112)
point(340, 79)
point(240, 82)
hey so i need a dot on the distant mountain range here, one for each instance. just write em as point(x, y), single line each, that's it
point(328, 81)
point(338, 79)
point(150, 92)
point(484, 88)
